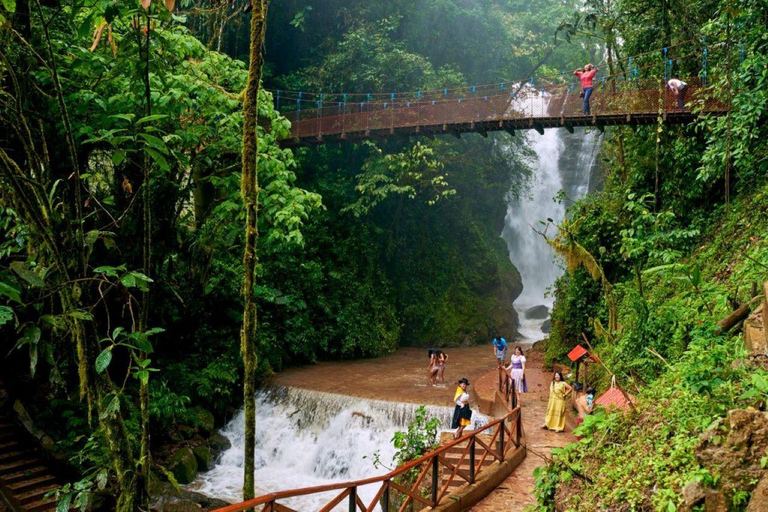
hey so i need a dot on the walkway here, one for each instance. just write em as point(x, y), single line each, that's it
point(492, 108)
point(517, 491)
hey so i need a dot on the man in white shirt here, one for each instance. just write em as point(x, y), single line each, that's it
point(678, 87)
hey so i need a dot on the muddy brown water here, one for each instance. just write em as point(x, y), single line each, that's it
point(399, 377)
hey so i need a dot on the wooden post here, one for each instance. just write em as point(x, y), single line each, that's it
point(385, 498)
point(501, 440)
point(584, 384)
point(472, 459)
point(435, 473)
point(353, 499)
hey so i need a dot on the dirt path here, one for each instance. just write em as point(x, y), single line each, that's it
point(516, 492)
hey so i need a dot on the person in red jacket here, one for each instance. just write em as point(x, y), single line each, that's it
point(586, 77)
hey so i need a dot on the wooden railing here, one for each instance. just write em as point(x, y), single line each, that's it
point(505, 434)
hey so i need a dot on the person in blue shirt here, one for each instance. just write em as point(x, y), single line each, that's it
point(499, 350)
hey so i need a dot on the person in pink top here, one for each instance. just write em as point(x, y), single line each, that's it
point(586, 77)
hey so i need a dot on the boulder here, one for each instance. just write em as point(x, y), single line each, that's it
point(219, 444)
point(183, 465)
point(546, 327)
point(205, 420)
point(182, 506)
point(715, 502)
point(693, 494)
point(204, 458)
point(754, 331)
point(165, 498)
point(537, 312)
point(759, 500)
point(735, 456)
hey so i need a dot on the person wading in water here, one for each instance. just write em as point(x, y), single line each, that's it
point(442, 360)
point(433, 367)
point(462, 414)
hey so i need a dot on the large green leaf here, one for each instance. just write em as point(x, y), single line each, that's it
point(10, 292)
point(103, 360)
point(10, 5)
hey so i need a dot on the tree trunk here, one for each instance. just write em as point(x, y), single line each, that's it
point(250, 193)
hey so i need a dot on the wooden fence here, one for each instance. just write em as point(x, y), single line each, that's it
point(430, 488)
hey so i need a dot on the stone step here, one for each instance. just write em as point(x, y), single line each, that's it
point(23, 474)
point(18, 465)
point(42, 505)
point(36, 494)
point(31, 483)
point(9, 456)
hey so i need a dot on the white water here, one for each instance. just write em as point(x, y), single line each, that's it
point(309, 438)
point(554, 170)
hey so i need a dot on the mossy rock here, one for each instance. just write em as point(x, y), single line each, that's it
point(184, 465)
point(205, 420)
point(218, 443)
point(204, 458)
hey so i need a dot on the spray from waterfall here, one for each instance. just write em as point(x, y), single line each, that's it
point(309, 438)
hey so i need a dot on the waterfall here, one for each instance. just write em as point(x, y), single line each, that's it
point(308, 438)
point(564, 162)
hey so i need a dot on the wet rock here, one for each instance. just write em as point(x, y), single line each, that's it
point(182, 506)
point(204, 458)
point(165, 498)
point(546, 327)
point(537, 312)
point(759, 500)
point(693, 494)
point(205, 420)
point(219, 444)
point(733, 449)
point(183, 465)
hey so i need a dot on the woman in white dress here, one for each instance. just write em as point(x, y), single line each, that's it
point(516, 370)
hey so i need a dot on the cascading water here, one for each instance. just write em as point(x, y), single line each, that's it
point(309, 438)
point(565, 162)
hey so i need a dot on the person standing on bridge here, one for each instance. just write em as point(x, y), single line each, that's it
point(586, 77)
point(678, 87)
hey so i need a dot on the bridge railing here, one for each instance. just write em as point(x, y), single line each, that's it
point(559, 101)
point(433, 472)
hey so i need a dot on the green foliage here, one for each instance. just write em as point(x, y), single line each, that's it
point(420, 438)
point(414, 173)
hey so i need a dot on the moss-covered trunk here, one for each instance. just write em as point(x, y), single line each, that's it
point(250, 193)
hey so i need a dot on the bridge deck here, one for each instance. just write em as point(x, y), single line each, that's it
point(636, 103)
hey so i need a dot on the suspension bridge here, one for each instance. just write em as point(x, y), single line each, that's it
point(635, 96)
point(482, 110)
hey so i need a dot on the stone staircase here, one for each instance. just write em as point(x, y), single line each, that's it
point(24, 476)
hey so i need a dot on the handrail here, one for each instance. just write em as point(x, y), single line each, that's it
point(271, 498)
